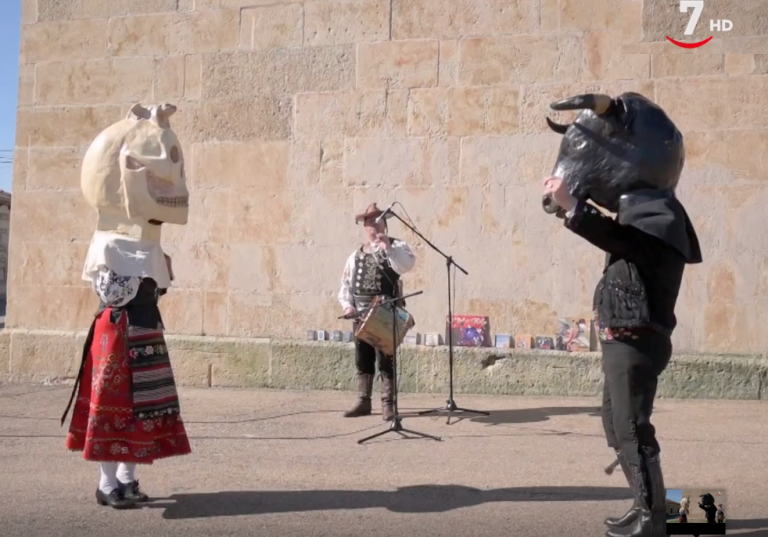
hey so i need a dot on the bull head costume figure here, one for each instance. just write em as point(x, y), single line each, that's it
point(133, 175)
point(625, 155)
point(616, 146)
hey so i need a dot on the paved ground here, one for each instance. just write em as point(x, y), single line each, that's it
point(276, 464)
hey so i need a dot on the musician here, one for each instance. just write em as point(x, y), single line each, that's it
point(720, 514)
point(625, 155)
point(373, 270)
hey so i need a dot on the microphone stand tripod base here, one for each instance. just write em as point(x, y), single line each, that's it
point(396, 426)
point(450, 408)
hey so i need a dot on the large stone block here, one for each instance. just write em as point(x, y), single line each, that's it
point(606, 61)
point(746, 106)
point(252, 268)
point(333, 206)
point(592, 15)
point(417, 19)
point(331, 22)
point(396, 162)
point(199, 265)
point(28, 12)
point(518, 159)
point(56, 168)
point(463, 111)
point(745, 45)
point(208, 221)
point(398, 64)
point(337, 115)
point(95, 82)
point(276, 26)
point(234, 362)
point(41, 127)
point(5, 355)
point(241, 165)
point(714, 376)
point(278, 71)
point(175, 33)
point(535, 100)
point(222, 120)
point(258, 215)
point(448, 64)
point(65, 308)
point(677, 65)
point(64, 41)
point(524, 59)
point(169, 79)
point(56, 216)
point(182, 311)
point(326, 366)
point(56, 264)
point(52, 10)
point(193, 77)
point(215, 313)
point(191, 367)
point(738, 151)
point(741, 64)
point(44, 356)
point(26, 85)
point(316, 163)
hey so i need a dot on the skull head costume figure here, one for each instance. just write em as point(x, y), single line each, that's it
point(614, 147)
point(133, 174)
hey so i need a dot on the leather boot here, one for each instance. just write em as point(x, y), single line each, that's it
point(387, 399)
point(634, 511)
point(363, 405)
point(651, 498)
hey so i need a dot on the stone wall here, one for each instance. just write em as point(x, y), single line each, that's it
point(297, 114)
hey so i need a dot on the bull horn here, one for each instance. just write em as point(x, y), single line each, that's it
point(597, 102)
point(557, 127)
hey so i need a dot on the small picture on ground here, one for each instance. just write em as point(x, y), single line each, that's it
point(696, 511)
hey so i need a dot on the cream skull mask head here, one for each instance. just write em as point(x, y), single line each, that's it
point(133, 174)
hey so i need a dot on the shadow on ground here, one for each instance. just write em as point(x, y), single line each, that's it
point(532, 415)
point(416, 499)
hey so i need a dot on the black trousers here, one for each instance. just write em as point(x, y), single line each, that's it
point(632, 368)
point(367, 355)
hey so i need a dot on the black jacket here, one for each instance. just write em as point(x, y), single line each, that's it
point(647, 246)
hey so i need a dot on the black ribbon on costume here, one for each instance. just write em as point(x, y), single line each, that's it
point(86, 350)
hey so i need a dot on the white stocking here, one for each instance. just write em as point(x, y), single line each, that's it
point(108, 481)
point(126, 472)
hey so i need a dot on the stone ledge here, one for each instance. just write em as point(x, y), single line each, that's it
point(53, 357)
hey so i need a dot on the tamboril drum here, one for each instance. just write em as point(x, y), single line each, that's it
point(376, 328)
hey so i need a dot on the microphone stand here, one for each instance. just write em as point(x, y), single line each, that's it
point(396, 425)
point(450, 405)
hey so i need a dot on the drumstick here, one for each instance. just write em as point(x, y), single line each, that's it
point(609, 469)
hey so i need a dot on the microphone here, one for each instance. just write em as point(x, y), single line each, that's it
point(383, 215)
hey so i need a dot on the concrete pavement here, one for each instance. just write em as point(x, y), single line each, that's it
point(285, 463)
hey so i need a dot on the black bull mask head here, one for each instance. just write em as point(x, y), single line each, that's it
point(615, 146)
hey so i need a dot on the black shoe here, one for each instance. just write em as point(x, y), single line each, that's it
point(132, 492)
point(387, 399)
point(114, 499)
point(634, 511)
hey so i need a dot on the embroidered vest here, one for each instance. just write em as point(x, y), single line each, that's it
point(373, 276)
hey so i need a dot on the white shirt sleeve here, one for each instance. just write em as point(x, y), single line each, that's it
point(115, 290)
point(345, 292)
point(401, 258)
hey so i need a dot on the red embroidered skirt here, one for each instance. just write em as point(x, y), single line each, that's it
point(127, 407)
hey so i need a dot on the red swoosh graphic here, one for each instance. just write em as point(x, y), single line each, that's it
point(690, 45)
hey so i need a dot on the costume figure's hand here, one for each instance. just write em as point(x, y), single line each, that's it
point(558, 190)
point(169, 264)
point(383, 241)
point(349, 311)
